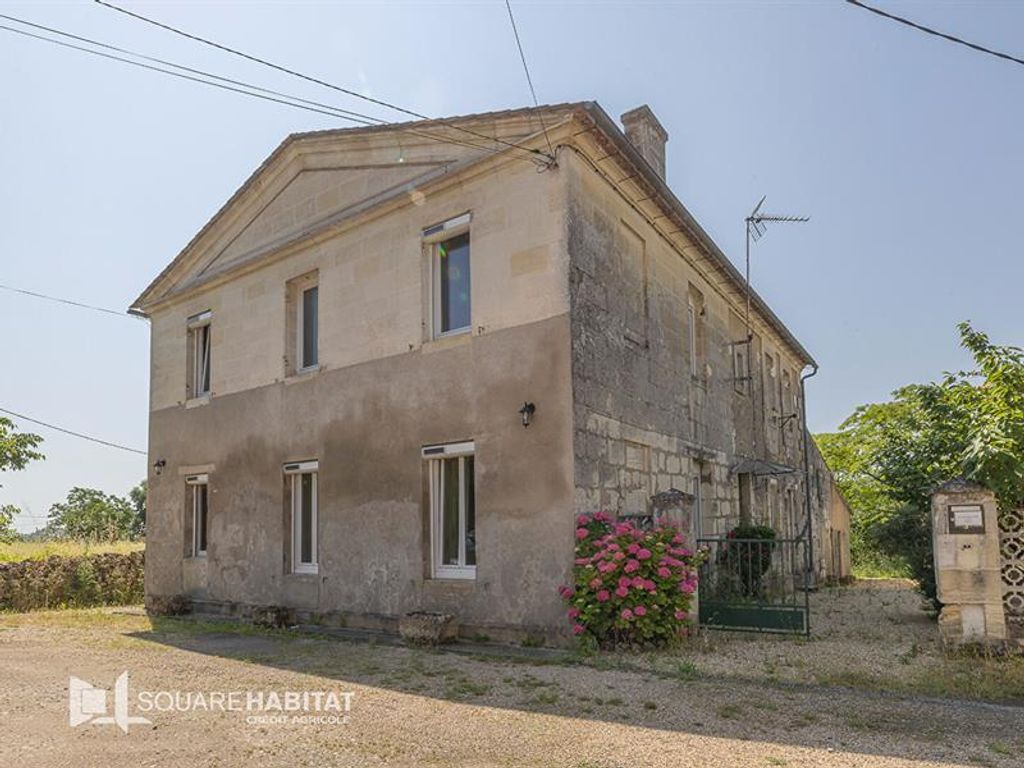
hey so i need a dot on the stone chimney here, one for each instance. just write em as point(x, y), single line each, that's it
point(648, 135)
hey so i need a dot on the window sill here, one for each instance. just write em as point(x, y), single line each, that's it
point(304, 375)
point(448, 340)
point(195, 402)
point(467, 577)
point(199, 557)
point(307, 570)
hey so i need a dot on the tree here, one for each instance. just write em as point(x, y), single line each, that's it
point(93, 515)
point(888, 457)
point(17, 449)
point(7, 532)
point(137, 496)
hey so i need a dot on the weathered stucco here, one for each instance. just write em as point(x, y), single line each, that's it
point(366, 425)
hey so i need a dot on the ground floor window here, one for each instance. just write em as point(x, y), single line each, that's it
point(199, 499)
point(302, 479)
point(452, 510)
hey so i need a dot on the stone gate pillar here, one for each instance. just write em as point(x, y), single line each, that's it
point(965, 539)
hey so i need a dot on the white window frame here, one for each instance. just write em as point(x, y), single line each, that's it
point(294, 471)
point(433, 237)
point(691, 334)
point(300, 317)
point(199, 326)
point(433, 454)
point(194, 482)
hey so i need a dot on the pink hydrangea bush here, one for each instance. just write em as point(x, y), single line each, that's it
point(632, 587)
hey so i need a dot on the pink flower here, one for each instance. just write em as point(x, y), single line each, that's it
point(603, 596)
point(619, 556)
point(581, 560)
point(631, 565)
point(582, 533)
point(640, 610)
point(677, 539)
point(626, 614)
point(650, 586)
point(582, 520)
point(607, 567)
point(632, 548)
point(596, 582)
point(622, 529)
point(573, 613)
point(578, 629)
point(638, 582)
point(566, 592)
point(622, 591)
point(681, 615)
point(643, 554)
point(624, 581)
point(664, 572)
point(687, 587)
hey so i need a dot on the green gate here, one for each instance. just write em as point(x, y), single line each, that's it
point(755, 585)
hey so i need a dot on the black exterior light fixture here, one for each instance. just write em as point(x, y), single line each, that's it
point(527, 412)
point(159, 465)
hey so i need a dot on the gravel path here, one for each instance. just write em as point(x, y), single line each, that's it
point(417, 708)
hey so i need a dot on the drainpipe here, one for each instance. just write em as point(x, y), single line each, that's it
point(812, 571)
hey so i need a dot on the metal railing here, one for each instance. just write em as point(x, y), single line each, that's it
point(755, 584)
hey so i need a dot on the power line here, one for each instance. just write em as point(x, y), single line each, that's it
point(255, 92)
point(72, 433)
point(12, 289)
point(935, 32)
point(318, 81)
point(526, 69)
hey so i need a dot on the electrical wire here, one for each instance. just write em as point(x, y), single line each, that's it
point(73, 433)
point(24, 292)
point(526, 69)
point(318, 81)
point(935, 32)
point(255, 91)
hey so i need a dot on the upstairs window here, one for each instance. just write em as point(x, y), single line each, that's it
point(452, 510)
point(691, 336)
point(199, 498)
point(302, 479)
point(198, 383)
point(308, 328)
point(450, 270)
point(302, 347)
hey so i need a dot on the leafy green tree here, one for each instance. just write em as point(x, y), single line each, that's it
point(93, 515)
point(7, 532)
point(17, 449)
point(137, 496)
point(888, 457)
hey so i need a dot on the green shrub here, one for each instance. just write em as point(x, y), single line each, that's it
point(107, 578)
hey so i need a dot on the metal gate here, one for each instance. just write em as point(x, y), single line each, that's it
point(756, 585)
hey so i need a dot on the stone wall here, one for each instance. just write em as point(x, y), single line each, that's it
point(649, 416)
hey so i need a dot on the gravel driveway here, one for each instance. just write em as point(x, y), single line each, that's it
point(414, 707)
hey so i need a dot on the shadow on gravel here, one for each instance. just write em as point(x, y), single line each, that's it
point(557, 684)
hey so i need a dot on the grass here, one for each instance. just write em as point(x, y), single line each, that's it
point(40, 550)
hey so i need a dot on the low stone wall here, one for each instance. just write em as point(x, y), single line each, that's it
point(109, 578)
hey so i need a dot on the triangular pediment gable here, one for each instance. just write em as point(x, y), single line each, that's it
point(316, 179)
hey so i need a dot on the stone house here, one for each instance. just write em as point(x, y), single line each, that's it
point(519, 322)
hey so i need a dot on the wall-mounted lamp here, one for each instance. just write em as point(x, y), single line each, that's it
point(159, 465)
point(785, 420)
point(527, 412)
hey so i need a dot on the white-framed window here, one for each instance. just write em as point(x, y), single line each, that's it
point(450, 276)
point(308, 326)
point(199, 354)
point(199, 499)
point(302, 479)
point(691, 335)
point(452, 510)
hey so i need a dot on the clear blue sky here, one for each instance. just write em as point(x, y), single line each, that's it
point(906, 150)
